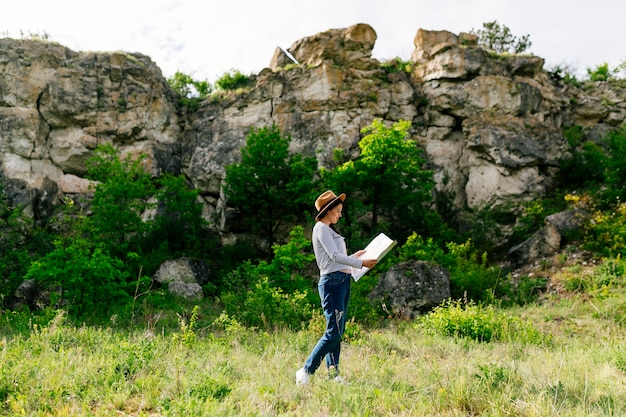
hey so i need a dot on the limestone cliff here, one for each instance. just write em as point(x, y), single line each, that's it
point(491, 125)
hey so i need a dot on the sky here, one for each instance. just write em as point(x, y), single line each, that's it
point(207, 38)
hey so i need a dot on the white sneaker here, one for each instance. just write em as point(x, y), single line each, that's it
point(341, 380)
point(302, 377)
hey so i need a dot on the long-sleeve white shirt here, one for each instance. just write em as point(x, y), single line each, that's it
point(330, 250)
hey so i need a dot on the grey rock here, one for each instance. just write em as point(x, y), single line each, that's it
point(412, 288)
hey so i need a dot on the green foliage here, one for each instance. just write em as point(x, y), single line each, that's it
point(597, 167)
point(533, 215)
point(90, 280)
point(178, 228)
point(471, 276)
point(291, 262)
point(499, 39)
point(387, 184)
point(23, 322)
point(269, 187)
point(584, 169)
point(98, 262)
point(233, 80)
point(190, 92)
point(615, 167)
point(120, 198)
point(606, 234)
point(20, 242)
point(266, 306)
point(602, 72)
point(601, 282)
point(274, 294)
point(480, 323)
point(397, 65)
point(187, 335)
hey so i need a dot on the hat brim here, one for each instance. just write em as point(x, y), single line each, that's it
point(332, 203)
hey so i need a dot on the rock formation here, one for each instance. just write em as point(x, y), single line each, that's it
point(491, 125)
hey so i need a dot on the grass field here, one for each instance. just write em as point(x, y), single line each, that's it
point(399, 369)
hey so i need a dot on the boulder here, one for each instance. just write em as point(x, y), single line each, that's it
point(189, 291)
point(183, 277)
point(25, 294)
point(347, 47)
point(412, 288)
point(544, 243)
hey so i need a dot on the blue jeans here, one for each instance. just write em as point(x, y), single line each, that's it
point(334, 290)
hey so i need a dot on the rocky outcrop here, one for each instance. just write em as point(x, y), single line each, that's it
point(57, 105)
point(490, 124)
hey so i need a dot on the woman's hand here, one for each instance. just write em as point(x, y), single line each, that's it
point(370, 263)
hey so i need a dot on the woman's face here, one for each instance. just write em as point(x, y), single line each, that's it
point(334, 214)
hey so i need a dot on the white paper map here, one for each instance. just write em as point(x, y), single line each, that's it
point(376, 249)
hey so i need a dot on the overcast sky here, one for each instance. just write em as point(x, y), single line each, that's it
point(206, 38)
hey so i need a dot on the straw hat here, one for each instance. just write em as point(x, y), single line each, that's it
point(326, 201)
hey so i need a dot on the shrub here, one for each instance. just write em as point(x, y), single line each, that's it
point(602, 72)
point(266, 306)
point(273, 294)
point(269, 186)
point(606, 234)
point(396, 65)
point(233, 80)
point(480, 323)
point(21, 242)
point(598, 281)
point(470, 275)
point(190, 92)
point(90, 280)
point(585, 167)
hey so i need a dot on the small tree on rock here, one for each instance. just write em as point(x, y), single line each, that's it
point(499, 39)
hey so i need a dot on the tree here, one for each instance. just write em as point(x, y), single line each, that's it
point(178, 228)
point(120, 199)
point(500, 39)
point(269, 186)
point(389, 188)
point(79, 270)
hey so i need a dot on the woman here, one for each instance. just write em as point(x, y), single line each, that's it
point(334, 284)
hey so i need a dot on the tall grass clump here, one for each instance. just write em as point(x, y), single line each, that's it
point(480, 323)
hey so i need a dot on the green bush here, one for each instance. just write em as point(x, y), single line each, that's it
point(606, 234)
point(233, 80)
point(602, 72)
point(265, 306)
point(470, 274)
point(480, 323)
point(600, 282)
point(190, 92)
point(270, 186)
point(533, 215)
point(586, 166)
point(397, 65)
point(273, 294)
point(89, 279)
